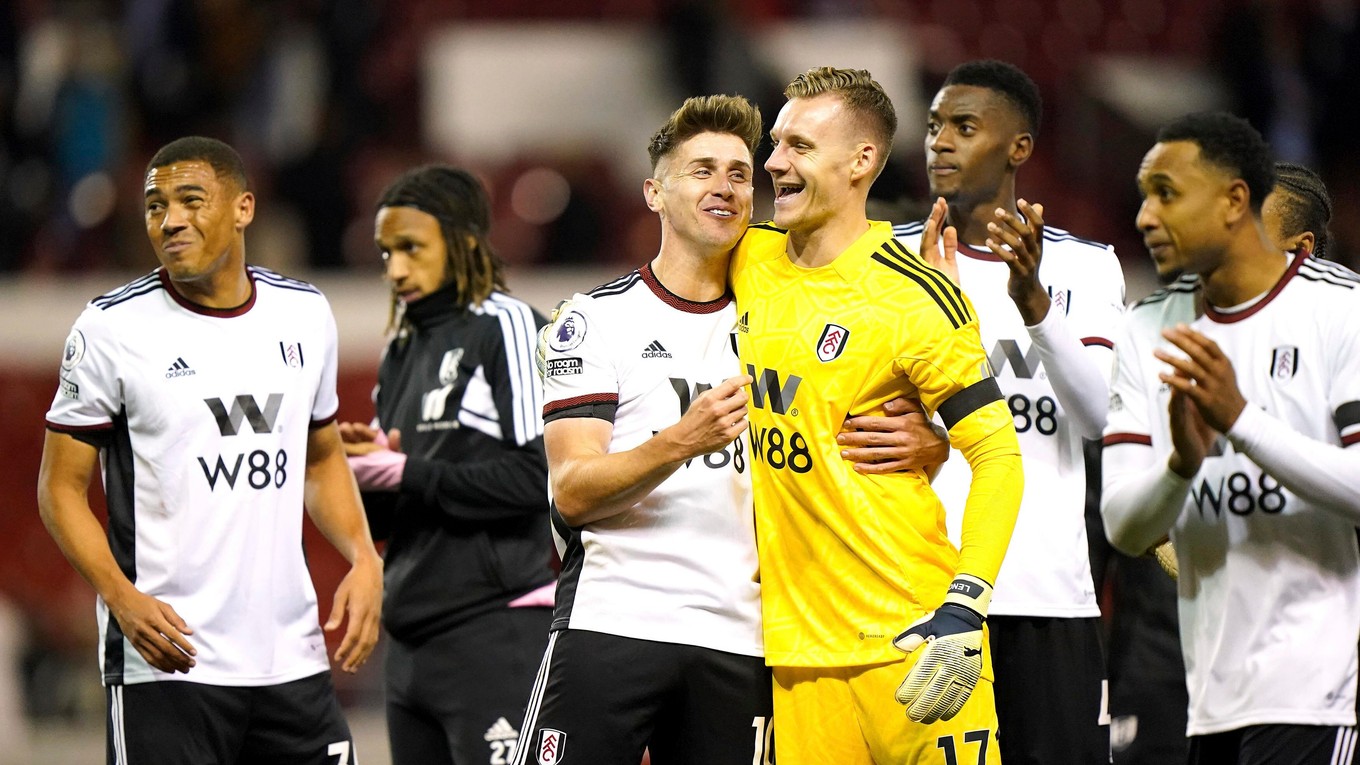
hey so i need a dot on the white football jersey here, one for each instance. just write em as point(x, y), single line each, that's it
point(202, 417)
point(680, 566)
point(1047, 569)
point(1269, 588)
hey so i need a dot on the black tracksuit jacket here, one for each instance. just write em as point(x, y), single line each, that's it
point(468, 530)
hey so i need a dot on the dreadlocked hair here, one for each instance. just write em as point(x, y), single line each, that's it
point(1308, 205)
point(459, 202)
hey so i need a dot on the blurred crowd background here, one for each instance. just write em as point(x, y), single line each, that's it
point(551, 103)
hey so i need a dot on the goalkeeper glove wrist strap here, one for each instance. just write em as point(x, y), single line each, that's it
point(970, 592)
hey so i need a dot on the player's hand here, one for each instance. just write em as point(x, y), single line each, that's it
point(1205, 375)
point(950, 664)
point(359, 438)
point(715, 418)
point(1020, 242)
point(154, 629)
point(940, 243)
point(903, 440)
point(358, 598)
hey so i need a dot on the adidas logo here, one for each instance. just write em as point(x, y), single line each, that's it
point(502, 730)
point(742, 325)
point(655, 350)
point(178, 369)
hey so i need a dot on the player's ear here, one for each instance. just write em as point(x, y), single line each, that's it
point(1021, 148)
point(1301, 243)
point(245, 210)
point(1238, 199)
point(865, 162)
point(651, 193)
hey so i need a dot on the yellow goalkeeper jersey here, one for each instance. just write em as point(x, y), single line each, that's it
point(848, 560)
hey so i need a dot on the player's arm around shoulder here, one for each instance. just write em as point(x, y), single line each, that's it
point(332, 500)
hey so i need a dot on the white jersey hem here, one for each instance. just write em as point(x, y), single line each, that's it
point(1274, 717)
point(232, 681)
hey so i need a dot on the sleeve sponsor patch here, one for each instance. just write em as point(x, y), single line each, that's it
point(70, 389)
point(569, 365)
point(568, 333)
point(74, 350)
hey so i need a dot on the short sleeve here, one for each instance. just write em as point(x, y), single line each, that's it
point(89, 389)
point(949, 369)
point(326, 401)
point(581, 376)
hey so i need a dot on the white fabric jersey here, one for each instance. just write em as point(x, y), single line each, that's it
point(680, 566)
point(1047, 569)
point(1269, 589)
point(202, 416)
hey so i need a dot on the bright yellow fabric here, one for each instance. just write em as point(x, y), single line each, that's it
point(847, 715)
point(848, 561)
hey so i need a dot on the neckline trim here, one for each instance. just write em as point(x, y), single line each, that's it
point(1230, 317)
point(675, 301)
point(203, 310)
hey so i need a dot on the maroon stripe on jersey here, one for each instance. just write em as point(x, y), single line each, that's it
point(220, 313)
point(1351, 440)
point(60, 428)
point(1098, 341)
point(321, 423)
point(1126, 438)
point(1228, 318)
point(575, 401)
point(675, 301)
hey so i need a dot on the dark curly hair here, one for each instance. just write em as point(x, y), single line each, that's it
point(1007, 79)
point(1230, 143)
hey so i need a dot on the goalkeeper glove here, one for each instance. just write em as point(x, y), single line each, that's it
point(949, 668)
point(544, 335)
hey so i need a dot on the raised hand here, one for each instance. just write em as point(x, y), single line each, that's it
point(940, 242)
point(1205, 399)
point(1019, 241)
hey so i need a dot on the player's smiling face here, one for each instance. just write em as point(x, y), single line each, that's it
point(194, 219)
point(415, 257)
point(703, 191)
point(815, 146)
point(971, 138)
point(1183, 217)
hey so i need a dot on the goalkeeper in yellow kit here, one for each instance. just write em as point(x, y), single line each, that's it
point(836, 319)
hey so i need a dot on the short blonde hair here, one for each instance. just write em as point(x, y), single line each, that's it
point(861, 95)
point(707, 114)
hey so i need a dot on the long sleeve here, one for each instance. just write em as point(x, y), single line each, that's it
point(1319, 472)
point(1141, 498)
point(511, 485)
point(993, 502)
point(1078, 373)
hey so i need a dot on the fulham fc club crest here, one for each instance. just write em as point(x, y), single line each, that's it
point(550, 745)
point(1062, 299)
point(1284, 362)
point(832, 342)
